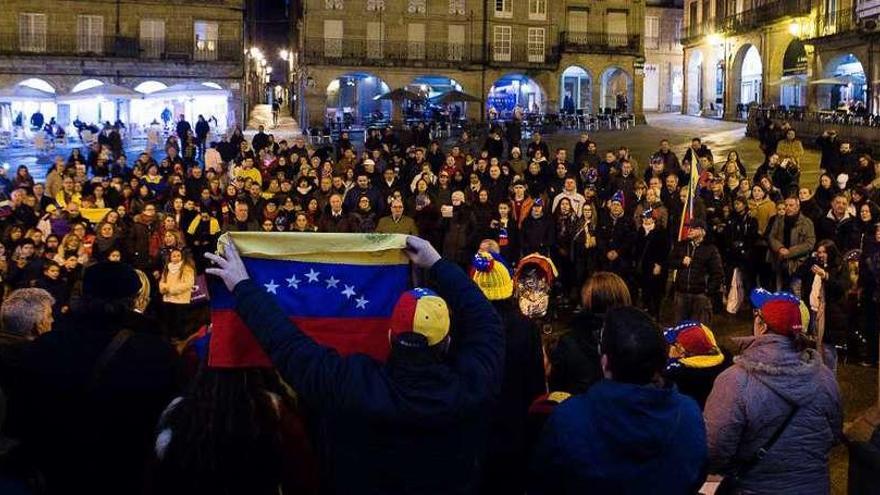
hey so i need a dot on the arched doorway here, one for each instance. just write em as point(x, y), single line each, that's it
point(576, 90)
point(26, 99)
point(617, 90)
point(190, 99)
point(844, 84)
point(695, 83)
point(92, 111)
point(750, 73)
point(793, 84)
point(431, 86)
point(351, 99)
point(514, 92)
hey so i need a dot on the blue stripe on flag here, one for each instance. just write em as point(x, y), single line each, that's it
point(322, 289)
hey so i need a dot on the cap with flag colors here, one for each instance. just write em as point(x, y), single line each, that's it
point(619, 197)
point(340, 289)
point(423, 312)
point(783, 312)
point(693, 345)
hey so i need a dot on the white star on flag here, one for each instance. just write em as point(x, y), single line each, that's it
point(312, 275)
point(271, 286)
point(293, 282)
point(331, 282)
point(348, 292)
point(361, 302)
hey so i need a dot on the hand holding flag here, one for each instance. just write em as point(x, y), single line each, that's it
point(231, 269)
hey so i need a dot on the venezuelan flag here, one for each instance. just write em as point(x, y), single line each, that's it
point(340, 289)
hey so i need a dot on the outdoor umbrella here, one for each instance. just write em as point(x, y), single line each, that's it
point(835, 81)
point(106, 91)
point(789, 81)
point(397, 97)
point(24, 93)
point(186, 90)
point(454, 96)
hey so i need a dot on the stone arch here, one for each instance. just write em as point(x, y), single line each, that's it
point(746, 76)
point(513, 90)
point(616, 80)
point(349, 98)
point(576, 83)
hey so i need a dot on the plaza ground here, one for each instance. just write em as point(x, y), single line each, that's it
point(858, 384)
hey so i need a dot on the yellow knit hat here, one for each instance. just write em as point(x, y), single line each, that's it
point(491, 276)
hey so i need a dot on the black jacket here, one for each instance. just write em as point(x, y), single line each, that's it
point(575, 360)
point(705, 273)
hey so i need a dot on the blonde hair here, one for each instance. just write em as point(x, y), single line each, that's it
point(142, 299)
point(604, 291)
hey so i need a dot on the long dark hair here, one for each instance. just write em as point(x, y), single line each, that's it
point(226, 435)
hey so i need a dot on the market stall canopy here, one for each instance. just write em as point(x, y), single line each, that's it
point(454, 96)
point(24, 93)
point(399, 94)
point(106, 91)
point(188, 89)
point(835, 81)
point(796, 80)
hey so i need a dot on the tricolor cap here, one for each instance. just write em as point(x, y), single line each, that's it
point(423, 312)
point(781, 311)
point(618, 197)
point(648, 213)
point(693, 345)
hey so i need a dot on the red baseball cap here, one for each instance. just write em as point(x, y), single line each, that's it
point(781, 311)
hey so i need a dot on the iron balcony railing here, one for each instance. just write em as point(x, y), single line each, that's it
point(836, 22)
point(763, 15)
point(355, 51)
point(694, 32)
point(578, 42)
point(38, 44)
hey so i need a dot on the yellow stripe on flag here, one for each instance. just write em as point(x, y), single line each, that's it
point(350, 249)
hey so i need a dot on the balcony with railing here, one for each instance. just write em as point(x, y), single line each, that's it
point(61, 45)
point(693, 32)
point(438, 54)
point(580, 42)
point(836, 22)
point(762, 15)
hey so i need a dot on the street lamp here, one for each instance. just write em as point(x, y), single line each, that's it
point(268, 70)
point(284, 54)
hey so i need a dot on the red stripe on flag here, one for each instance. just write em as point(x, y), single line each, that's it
point(688, 208)
point(346, 335)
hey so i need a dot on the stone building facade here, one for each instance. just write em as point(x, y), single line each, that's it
point(64, 42)
point(811, 54)
point(664, 76)
point(589, 51)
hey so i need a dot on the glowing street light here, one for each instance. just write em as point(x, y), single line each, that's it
point(284, 54)
point(794, 29)
point(268, 70)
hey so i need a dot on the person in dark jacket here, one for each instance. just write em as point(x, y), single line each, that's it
point(335, 219)
point(700, 275)
point(507, 453)
point(632, 432)
point(110, 379)
point(616, 238)
point(574, 363)
point(839, 225)
point(538, 233)
point(695, 359)
point(460, 232)
point(380, 421)
point(651, 251)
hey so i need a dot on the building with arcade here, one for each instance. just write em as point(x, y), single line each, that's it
point(534, 56)
point(135, 62)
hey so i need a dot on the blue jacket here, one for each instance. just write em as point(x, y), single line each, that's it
point(622, 439)
point(416, 424)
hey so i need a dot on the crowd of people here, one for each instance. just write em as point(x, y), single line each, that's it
point(115, 385)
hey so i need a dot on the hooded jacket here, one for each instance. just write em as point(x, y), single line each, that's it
point(624, 439)
point(751, 400)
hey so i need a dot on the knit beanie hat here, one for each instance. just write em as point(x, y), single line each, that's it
point(423, 312)
point(693, 345)
point(491, 275)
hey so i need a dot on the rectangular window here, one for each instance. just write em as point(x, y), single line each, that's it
point(504, 8)
point(152, 38)
point(536, 45)
point(652, 32)
point(90, 33)
point(205, 38)
point(617, 28)
point(501, 43)
point(415, 35)
point(538, 10)
point(332, 38)
point(375, 39)
point(577, 20)
point(456, 39)
point(32, 32)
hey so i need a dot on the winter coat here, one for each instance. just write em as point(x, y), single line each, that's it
point(575, 360)
point(538, 235)
point(330, 223)
point(621, 438)
point(620, 236)
point(378, 422)
point(179, 286)
point(362, 221)
point(651, 249)
point(103, 440)
point(751, 400)
point(844, 232)
point(144, 241)
point(803, 238)
point(835, 289)
point(507, 455)
point(459, 235)
point(694, 382)
point(405, 225)
point(704, 275)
